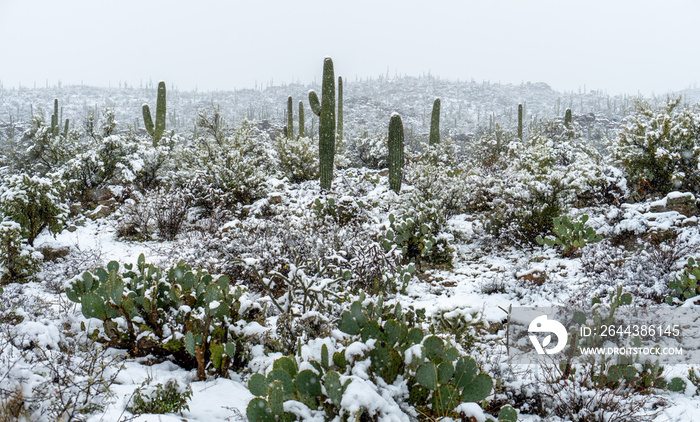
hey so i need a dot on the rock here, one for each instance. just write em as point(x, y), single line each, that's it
point(275, 198)
point(681, 202)
point(99, 212)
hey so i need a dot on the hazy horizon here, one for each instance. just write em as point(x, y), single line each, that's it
point(621, 47)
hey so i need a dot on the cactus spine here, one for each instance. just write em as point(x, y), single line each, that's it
point(156, 130)
point(325, 109)
point(340, 109)
point(567, 118)
point(395, 152)
point(520, 121)
point(435, 123)
point(301, 119)
point(290, 118)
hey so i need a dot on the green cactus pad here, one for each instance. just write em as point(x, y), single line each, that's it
point(259, 411)
point(444, 372)
point(285, 379)
point(507, 414)
point(334, 389)
point(478, 389)
point(308, 383)
point(418, 395)
point(395, 332)
point(258, 385)
point(465, 371)
point(93, 306)
point(286, 364)
point(451, 354)
point(433, 347)
point(277, 398)
point(371, 330)
point(426, 375)
point(445, 399)
point(415, 336)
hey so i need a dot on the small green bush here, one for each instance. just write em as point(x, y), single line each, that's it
point(298, 158)
point(34, 203)
point(17, 259)
point(160, 399)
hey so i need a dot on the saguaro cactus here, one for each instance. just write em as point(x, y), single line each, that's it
point(156, 130)
point(290, 118)
point(340, 109)
point(567, 118)
point(55, 118)
point(325, 109)
point(395, 152)
point(435, 123)
point(301, 119)
point(520, 121)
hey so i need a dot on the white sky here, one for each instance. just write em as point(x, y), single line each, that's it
point(613, 45)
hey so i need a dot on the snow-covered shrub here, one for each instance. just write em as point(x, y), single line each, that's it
point(548, 172)
point(160, 399)
point(34, 203)
point(116, 160)
point(181, 312)
point(19, 260)
point(39, 151)
point(162, 210)
point(298, 158)
point(367, 151)
point(436, 177)
point(233, 172)
point(658, 149)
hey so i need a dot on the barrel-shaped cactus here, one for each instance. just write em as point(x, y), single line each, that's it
point(325, 109)
point(157, 129)
point(435, 123)
point(395, 152)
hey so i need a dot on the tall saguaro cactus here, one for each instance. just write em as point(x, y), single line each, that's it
point(435, 123)
point(290, 118)
point(568, 118)
point(340, 109)
point(301, 119)
point(325, 109)
point(395, 152)
point(55, 119)
point(156, 130)
point(520, 121)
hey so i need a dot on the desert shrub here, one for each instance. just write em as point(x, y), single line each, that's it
point(386, 356)
point(18, 259)
point(160, 399)
point(298, 158)
point(233, 172)
point(548, 172)
point(367, 151)
point(180, 312)
point(658, 148)
point(34, 203)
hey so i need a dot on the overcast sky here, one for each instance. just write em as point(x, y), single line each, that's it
point(613, 45)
